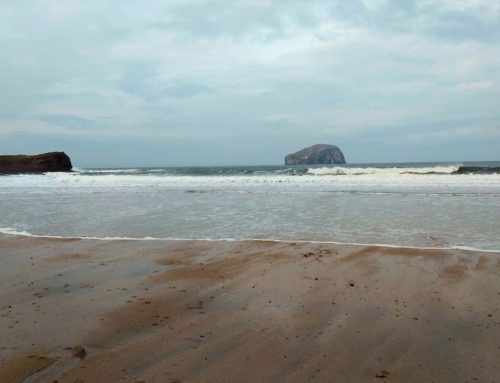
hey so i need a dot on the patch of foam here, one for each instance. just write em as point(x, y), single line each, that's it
point(383, 172)
point(380, 180)
point(10, 231)
point(107, 171)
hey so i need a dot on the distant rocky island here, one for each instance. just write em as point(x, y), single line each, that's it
point(39, 163)
point(316, 154)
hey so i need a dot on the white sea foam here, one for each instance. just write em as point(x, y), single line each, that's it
point(10, 231)
point(382, 172)
point(107, 171)
point(389, 181)
point(372, 180)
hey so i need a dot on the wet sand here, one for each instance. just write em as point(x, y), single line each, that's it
point(195, 311)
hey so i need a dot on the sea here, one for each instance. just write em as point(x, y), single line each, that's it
point(427, 205)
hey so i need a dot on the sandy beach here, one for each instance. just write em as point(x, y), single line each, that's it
point(75, 310)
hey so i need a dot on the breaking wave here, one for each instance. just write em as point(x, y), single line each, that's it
point(383, 171)
point(107, 171)
point(478, 170)
point(394, 171)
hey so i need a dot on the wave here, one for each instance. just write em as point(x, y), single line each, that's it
point(10, 231)
point(478, 170)
point(394, 171)
point(295, 171)
point(107, 171)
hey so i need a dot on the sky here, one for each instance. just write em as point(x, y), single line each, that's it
point(189, 82)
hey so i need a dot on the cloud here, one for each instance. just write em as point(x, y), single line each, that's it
point(179, 72)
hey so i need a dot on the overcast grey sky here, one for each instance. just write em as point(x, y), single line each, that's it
point(190, 82)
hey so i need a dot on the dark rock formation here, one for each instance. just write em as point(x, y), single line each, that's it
point(40, 163)
point(316, 154)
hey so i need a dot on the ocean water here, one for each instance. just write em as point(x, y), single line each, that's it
point(418, 205)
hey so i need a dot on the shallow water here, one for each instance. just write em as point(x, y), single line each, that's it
point(424, 205)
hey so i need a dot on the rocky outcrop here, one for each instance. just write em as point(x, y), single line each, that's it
point(40, 163)
point(316, 154)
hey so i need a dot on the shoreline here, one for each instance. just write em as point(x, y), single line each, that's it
point(9, 231)
point(255, 311)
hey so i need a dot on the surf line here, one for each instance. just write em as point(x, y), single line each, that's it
point(13, 232)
